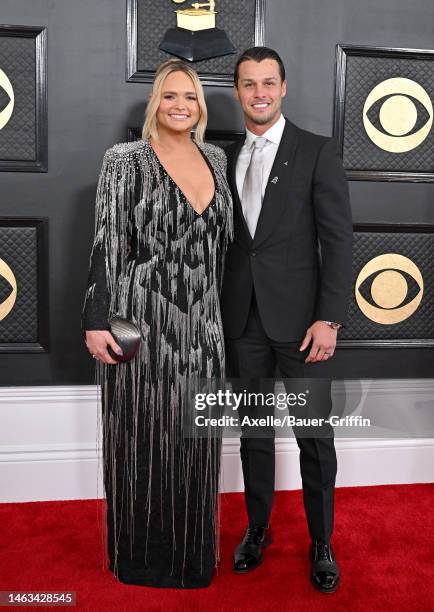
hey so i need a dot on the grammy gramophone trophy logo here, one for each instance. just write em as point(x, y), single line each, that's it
point(196, 36)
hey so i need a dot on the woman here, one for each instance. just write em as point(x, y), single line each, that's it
point(163, 221)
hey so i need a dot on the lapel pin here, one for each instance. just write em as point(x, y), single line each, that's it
point(275, 179)
point(285, 163)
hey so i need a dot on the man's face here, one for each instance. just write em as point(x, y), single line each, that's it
point(260, 91)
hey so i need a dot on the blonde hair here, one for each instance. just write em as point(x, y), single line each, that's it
point(150, 127)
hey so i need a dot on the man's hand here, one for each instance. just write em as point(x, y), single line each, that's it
point(97, 342)
point(323, 338)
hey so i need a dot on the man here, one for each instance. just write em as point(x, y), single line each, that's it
point(285, 291)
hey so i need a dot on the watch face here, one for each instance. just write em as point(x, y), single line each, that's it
point(332, 325)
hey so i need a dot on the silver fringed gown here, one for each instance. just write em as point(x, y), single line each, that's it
point(158, 262)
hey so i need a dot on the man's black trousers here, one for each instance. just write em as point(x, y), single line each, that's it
point(254, 357)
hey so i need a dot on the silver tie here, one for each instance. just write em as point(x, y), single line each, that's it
point(251, 198)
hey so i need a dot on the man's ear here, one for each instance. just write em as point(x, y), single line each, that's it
point(283, 89)
point(235, 92)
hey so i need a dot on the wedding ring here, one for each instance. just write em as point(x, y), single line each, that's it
point(94, 356)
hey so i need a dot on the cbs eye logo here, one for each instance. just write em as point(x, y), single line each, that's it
point(398, 115)
point(6, 86)
point(389, 289)
point(7, 304)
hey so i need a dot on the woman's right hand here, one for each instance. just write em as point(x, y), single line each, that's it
point(97, 342)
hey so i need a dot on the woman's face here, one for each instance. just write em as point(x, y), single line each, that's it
point(179, 109)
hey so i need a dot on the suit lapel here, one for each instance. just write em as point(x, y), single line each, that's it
point(277, 189)
point(244, 235)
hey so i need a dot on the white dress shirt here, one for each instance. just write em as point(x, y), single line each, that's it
point(273, 136)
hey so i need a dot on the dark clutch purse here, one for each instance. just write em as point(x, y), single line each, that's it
point(127, 335)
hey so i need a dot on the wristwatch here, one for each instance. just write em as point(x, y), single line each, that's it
point(333, 325)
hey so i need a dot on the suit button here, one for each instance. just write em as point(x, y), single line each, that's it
point(253, 253)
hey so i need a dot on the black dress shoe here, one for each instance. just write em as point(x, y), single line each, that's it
point(248, 553)
point(325, 570)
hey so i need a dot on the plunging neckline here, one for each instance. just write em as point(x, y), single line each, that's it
point(178, 187)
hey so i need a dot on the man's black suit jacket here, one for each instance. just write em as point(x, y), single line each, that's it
point(299, 262)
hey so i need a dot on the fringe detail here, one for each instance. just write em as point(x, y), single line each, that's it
point(159, 263)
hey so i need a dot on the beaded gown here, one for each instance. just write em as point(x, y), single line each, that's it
point(159, 263)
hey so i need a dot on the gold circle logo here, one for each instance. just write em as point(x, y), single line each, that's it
point(6, 113)
point(7, 305)
point(398, 115)
point(389, 289)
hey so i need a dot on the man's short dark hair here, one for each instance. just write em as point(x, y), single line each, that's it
point(257, 54)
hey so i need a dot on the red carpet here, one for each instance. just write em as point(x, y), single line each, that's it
point(384, 542)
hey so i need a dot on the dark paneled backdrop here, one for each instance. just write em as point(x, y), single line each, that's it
point(90, 107)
